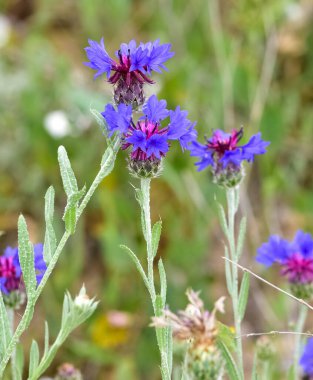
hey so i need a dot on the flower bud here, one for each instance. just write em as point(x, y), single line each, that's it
point(265, 349)
point(68, 372)
point(148, 168)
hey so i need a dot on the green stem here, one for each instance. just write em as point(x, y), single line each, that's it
point(232, 205)
point(145, 188)
point(303, 311)
point(10, 313)
point(105, 169)
point(147, 231)
point(265, 370)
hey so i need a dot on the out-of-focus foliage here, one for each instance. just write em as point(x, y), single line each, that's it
point(237, 63)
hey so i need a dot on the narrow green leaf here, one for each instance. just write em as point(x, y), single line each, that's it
point(5, 329)
point(160, 330)
point(46, 346)
point(222, 218)
point(33, 358)
point(50, 238)
point(69, 216)
point(228, 272)
point(243, 295)
point(156, 233)
point(137, 263)
point(26, 257)
point(254, 375)
point(241, 236)
point(19, 362)
point(100, 121)
point(226, 335)
point(67, 174)
point(231, 366)
point(163, 281)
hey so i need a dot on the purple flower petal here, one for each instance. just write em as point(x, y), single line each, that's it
point(255, 146)
point(138, 140)
point(157, 145)
point(99, 59)
point(155, 110)
point(275, 250)
point(117, 120)
point(306, 360)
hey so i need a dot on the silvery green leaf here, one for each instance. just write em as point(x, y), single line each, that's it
point(228, 272)
point(231, 365)
point(33, 358)
point(67, 174)
point(5, 330)
point(241, 236)
point(65, 309)
point(160, 330)
point(137, 263)
point(100, 121)
point(26, 257)
point(243, 295)
point(46, 346)
point(162, 281)
point(50, 238)
point(19, 361)
point(156, 233)
point(70, 211)
point(222, 218)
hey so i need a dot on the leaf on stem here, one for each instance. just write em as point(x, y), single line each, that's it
point(5, 329)
point(100, 121)
point(50, 238)
point(163, 281)
point(243, 295)
point(241, 236)
point(156, 233)
point(226, 335)
point(33, 358)
point(26, 257)
point(231, 366)
point(228, 272)
point(137, 263)
point(222, 218)
point(19, 361)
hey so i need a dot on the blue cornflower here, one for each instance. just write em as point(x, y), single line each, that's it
point(222, 149)
point(223, 154)
point(295, 258)
point(306, 360)
point(10, 268)
point(133, 68)
point(147, 139)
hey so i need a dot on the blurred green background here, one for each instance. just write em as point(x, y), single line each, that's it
point(238, 63)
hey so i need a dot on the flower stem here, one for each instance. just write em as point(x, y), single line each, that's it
point(163, 347)
point(10, 313)
point(105, 169)
point(303, 311)
point(232, 195)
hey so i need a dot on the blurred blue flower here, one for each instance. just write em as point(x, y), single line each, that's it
point(306, 360)
point(222, 149)
point(10, 268)
point(295, 258)
point(147, 138)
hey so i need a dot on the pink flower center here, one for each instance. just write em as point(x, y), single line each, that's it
point(222, 142)
point(298, 269)
point(8, 271)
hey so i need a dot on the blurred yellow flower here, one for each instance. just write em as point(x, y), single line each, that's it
point(111, 329)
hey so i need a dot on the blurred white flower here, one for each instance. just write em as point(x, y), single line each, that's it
point(295, 12)
point(5, 30)
point(57, 124)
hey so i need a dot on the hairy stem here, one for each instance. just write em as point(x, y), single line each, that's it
point(303, 311)
point(145, 189)
point(10, 313)
point(232, 205)
point(105, 169)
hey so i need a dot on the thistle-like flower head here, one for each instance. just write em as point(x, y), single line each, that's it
point(295, 258)
point(149, 137)
point(222, 149)
point(132, 68)
point(224, 155)
point(194, 324)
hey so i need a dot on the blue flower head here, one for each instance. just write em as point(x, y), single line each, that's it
point(131, 70)
point(306, 360)
point(10, 268)
point(224, 155)
point(295, 258)
point(149, 138)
